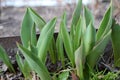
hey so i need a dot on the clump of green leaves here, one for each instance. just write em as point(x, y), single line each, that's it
point(82, 45)
point(35, 54)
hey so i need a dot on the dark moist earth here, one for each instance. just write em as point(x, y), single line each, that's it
point(10, 22)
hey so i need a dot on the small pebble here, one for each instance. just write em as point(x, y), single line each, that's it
point(4, 67)
point(1, 27)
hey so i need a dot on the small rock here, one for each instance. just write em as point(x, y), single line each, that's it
point(4, 67)
point(1, 27)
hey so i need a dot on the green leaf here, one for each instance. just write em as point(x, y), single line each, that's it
point(83, 26)
point(117, 62)
point(26, 29)
point(52, 51)
point(76, 14)
point(88, 16)
point(116, 44)
point(75, 17)
point(98, 50)
point(77, 36)
point(35, 63)
point(54, 77)
point(33, 49)
point(4, 57)
point(20, 62)
point(66, 40)
point(63, 75)
point(24, 67)
point(105, 23)
point(45, 39)
point(60, 50)
point(36, 18)
point(28, 32)
point(79, 62)
point(89, 38)
point(33, 35)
